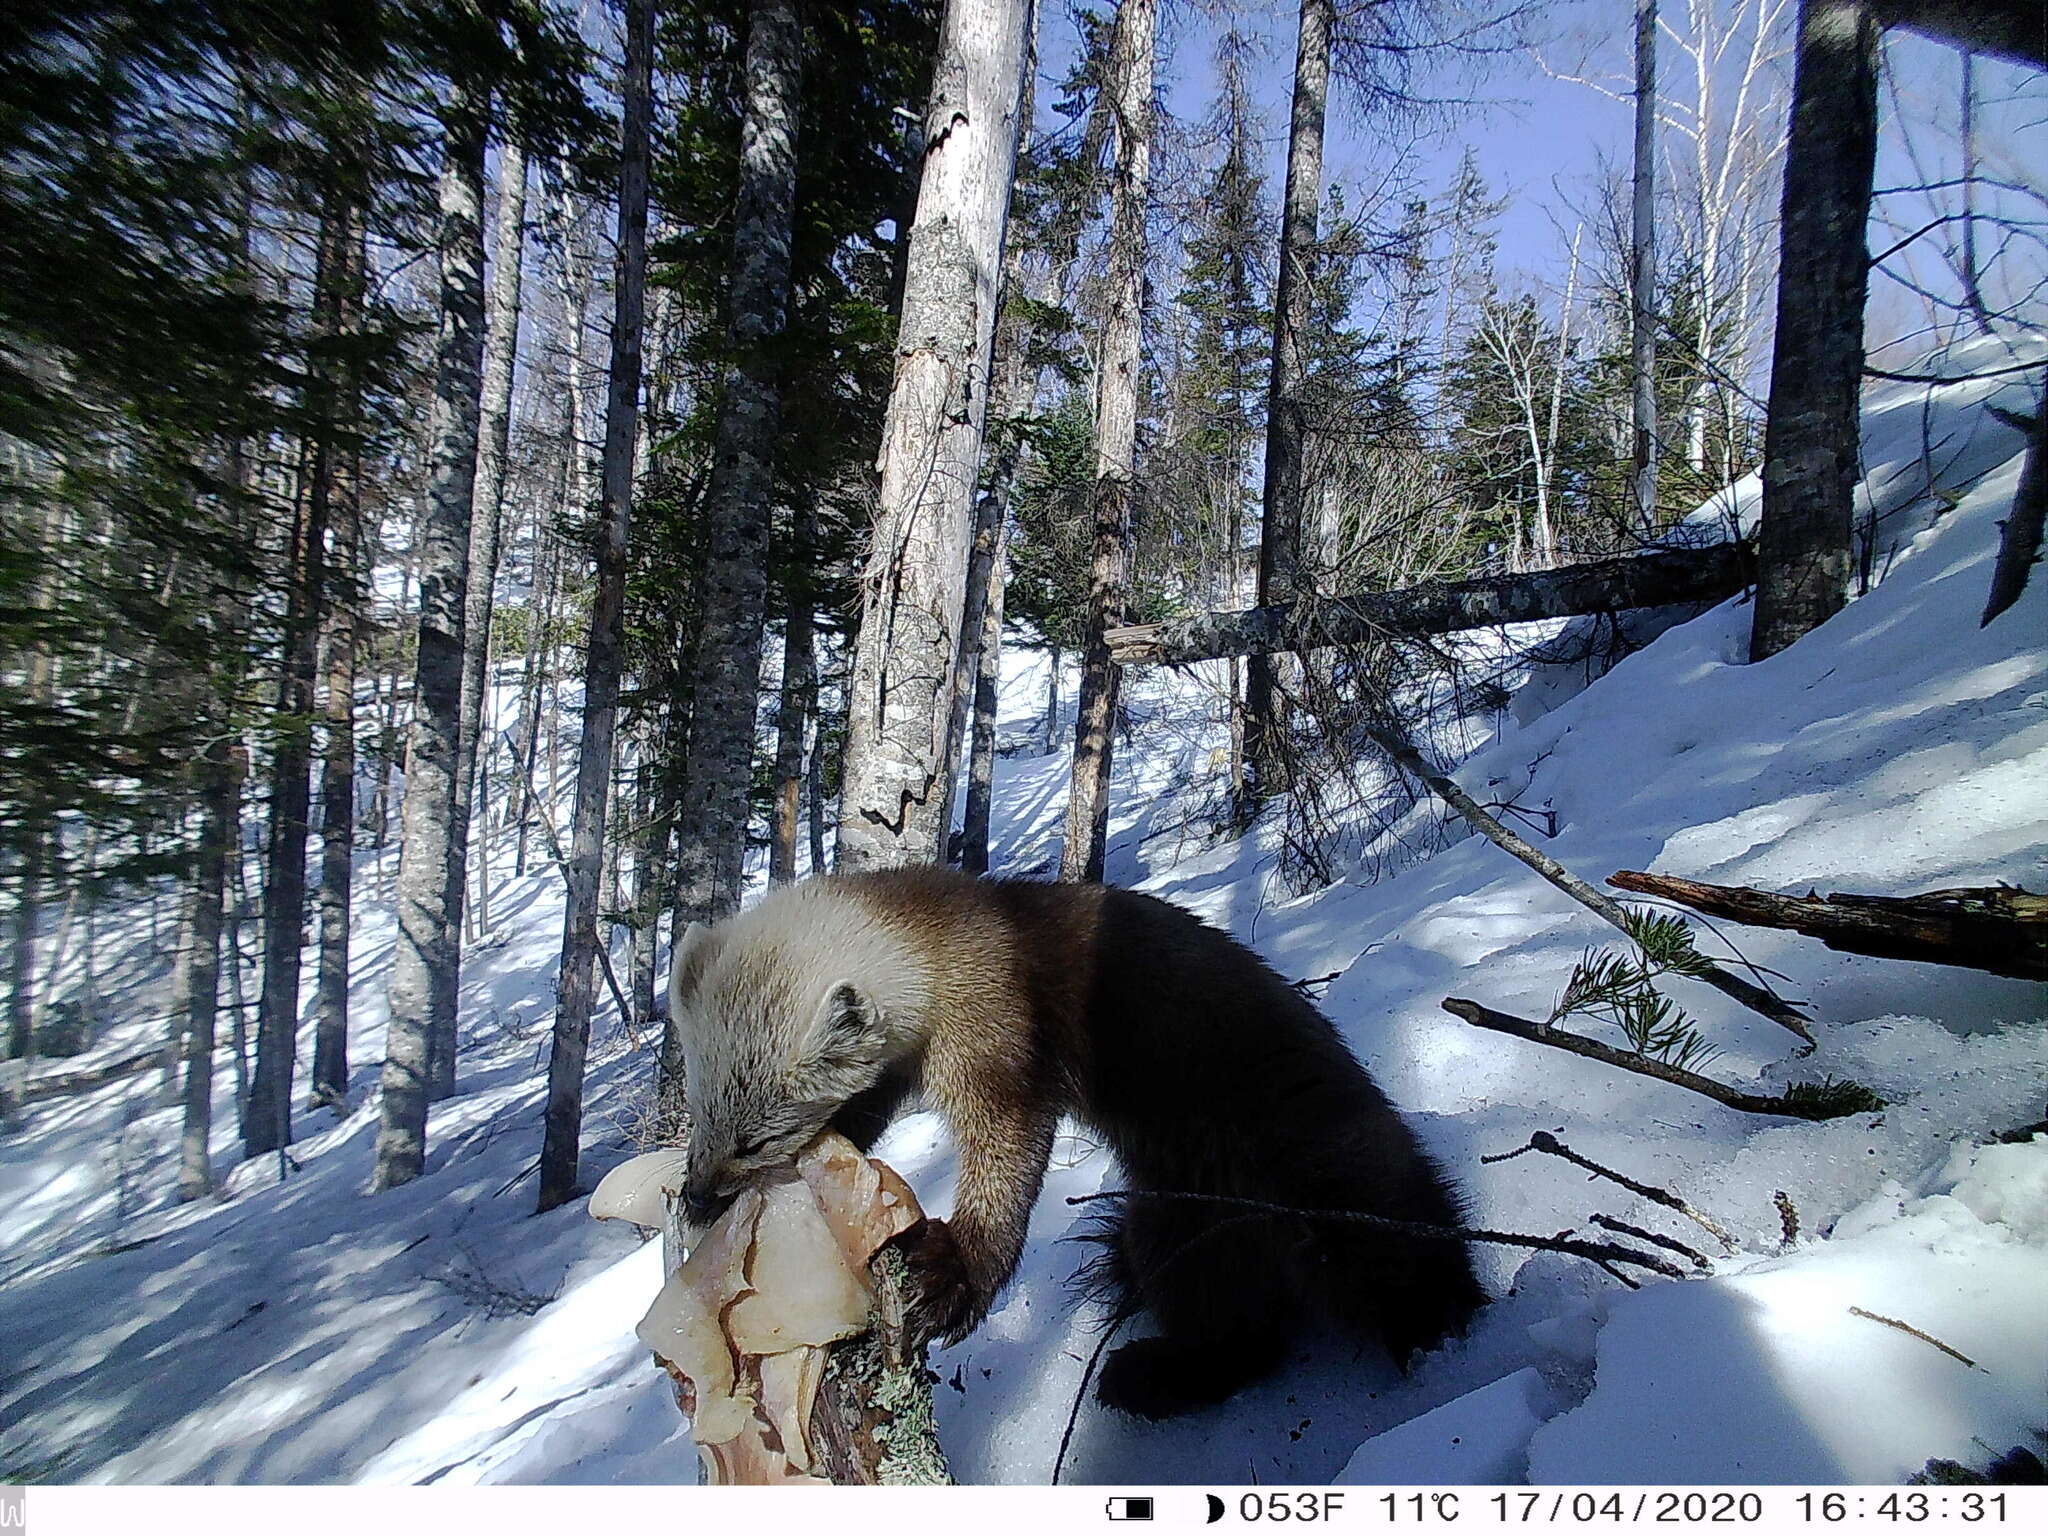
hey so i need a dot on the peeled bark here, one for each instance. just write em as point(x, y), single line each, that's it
point(1654, 580)
point(898, 792)
point(501, 345)
point(1116, 439)
point(426, 964)
point(564, 1111)
point(1286, 412)
point(1811, 442)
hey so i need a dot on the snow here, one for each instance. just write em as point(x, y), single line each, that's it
point(298, 1328)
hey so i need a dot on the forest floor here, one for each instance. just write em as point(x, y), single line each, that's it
point(297, 1328)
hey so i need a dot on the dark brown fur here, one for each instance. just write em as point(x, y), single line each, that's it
point(1205, 1073)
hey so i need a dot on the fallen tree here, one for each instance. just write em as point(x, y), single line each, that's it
point(55, 1085)
point(1654, 580)
point(1997, 929)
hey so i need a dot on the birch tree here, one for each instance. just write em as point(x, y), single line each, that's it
point(501, 346)
point(897, 789)
point(425, 965)
point(1116, 429)
point(575, 992)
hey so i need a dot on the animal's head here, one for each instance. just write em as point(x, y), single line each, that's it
point(773, 1044)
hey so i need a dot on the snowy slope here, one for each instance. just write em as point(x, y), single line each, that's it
point(304, 1330)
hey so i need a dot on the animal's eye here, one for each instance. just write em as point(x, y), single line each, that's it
point(748, 1148)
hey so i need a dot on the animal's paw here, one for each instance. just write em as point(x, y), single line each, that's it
point(944, 1304)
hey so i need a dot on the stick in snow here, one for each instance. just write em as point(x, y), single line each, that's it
point(1543, 1141)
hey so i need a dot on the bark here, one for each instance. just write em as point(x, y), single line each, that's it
point(564, 1111)
point(1811, 441)
point(897, 794)
point(426, 963)
point(2000, 930)
point(814, 790)
point(1653, 580)
point(711, 833)
point(1286, 424)
point(2019, 541)
point(798, 704)
point(501, 346)
point(1628, 1061)
point(1643, 275)
point(1387, 734)
point(338, 765)
point(269, 1122)
point(1116, 438)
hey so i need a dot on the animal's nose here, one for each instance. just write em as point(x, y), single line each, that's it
point(705, 1206)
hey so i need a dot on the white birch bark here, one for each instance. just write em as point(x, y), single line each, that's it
point(425, 966)
point(898, 790)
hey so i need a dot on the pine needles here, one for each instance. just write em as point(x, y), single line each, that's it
point(1620, 989)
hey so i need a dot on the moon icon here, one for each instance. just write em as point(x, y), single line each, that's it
point(1215, 1509)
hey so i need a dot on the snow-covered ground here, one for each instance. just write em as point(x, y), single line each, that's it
point(299, 1328)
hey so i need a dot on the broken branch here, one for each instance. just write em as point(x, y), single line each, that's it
point(1996, 929)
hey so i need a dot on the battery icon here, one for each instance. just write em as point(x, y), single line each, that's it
point(1130, 1509)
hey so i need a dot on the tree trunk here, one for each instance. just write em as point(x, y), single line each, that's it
point(650, 866)
point(501, 346)
point(1050, 726)
point(338, 766)
point(2005, 29)
point(1643, 276)
point(426, 964)
point(198, 982)
point(1811, 443)
point(894, 805)
point(2019, 542)
point(269, 1124)
point(1655, 580)
point(1116, 438)
point(798, 705)
point(1286, 424)
point(564, 1112)
point(988, 671)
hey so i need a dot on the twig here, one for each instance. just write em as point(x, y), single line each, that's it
point(1699, 1260)
point(1543, 1141)
point(1422, 1229)
point(1087, 1374)
point(1925, 1338)
point(1387, 733)
point(561, 862)
point(1788, 1217)
point(1628, 1061)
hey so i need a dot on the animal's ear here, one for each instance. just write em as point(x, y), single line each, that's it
point(846, 1029)
point(693, 952)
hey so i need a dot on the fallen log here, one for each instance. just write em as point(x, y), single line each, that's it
point(1996, 929)
point(1654, 580)
point(56, 1085)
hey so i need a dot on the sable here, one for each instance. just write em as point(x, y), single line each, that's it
point(1006, 1004)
